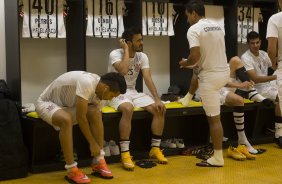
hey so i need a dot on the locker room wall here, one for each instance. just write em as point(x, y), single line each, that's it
point(2, 42)
point(157, 49)
point(44, 60)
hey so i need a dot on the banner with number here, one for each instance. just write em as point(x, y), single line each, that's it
point(105, 18)
point(43, 19)
point(248, 18)
point(157, 19)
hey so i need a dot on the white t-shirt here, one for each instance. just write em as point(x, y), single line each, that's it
point(63, 90)
point(105, 18)
point(140, 61)
point(157, 18)
point(43, 20)
point(259, 64)
point(209, 36)
point(274, 29)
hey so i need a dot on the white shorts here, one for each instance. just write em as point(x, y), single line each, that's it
point(269, 90)
point(223, 92)
point(209, 86)
point(133, 97)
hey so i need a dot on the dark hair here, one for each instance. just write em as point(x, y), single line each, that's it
point(197, 6)
point(252, 35)
point(129, 33)
point(115, 81)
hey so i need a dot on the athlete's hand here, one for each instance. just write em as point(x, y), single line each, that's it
point(94, 149)
point(123, 44)
point(183, 63)
point(160, 106)
point(247, 84)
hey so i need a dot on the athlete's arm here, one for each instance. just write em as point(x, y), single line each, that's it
point(123, 66)
point(272, 51)
point(260, 79)
point(192, 59)
point(81, 111)
point(152, 88)
point(243, 85)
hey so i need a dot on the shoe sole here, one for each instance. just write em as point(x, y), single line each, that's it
point(98, 174)
point(71, 181)
point(239, 159)
point(158, 161)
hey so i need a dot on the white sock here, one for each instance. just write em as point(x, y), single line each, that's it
point(155, 142)
point(255, 96)
point(278, 130)
point(186, 100)
point(96, 160)
point(217, 158)
point(124, 145)
point(68, 167)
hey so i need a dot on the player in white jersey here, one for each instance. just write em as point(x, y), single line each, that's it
point(207, 50)
point(257, 62)
point(230, 98)
point(43, 19)
point(157, 19)
point(105, 18)
point(74, 98)
point(129, 61)
point(274, 37)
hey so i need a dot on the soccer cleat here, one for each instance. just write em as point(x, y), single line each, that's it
point(101, 170)
point(77, 176)
point(126, 161)
point(235, 154)
point(156, 153)
point(243, 149)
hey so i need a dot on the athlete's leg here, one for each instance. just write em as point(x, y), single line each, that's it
point(192, 89)
point(237, 103)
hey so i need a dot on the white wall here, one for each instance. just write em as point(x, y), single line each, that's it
point(157, 49)
point(2, 42)
point(42, 60)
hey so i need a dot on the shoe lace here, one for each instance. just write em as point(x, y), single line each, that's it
point(159, 153)
point(77, 172)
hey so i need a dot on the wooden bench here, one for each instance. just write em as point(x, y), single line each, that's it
point(189, 123)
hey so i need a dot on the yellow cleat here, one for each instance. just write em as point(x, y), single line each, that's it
point(126, 161)
point(242, 148)
point(235, 154)
point(156, 153)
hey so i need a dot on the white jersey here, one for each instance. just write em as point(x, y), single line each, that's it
point(140, 61)
point(65, 88)
point(248, 18)
point(274, 29)
point(43, 19)
point(215, 13)
point(209, 36)
point(157, 19)
point(259, 64)
point(105, 18)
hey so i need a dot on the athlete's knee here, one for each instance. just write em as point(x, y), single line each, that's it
point(126, 109)
point(93, 111)
point(64, 122)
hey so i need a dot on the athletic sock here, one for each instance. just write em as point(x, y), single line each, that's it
point(124, 145)
point(217, 158)
point(156, 140)
point(186, 100)
point(255, 96)
point(96, 160)
point(69, 167)
point(238, 115)
point(278, 126)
